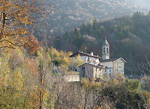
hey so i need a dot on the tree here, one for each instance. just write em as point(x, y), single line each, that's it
point(15, 18)
point(78, 62)
point(33, 44)
point(78, 39)
point(94, 23)
point(102, 29)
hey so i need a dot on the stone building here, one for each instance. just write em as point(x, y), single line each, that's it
point(97, 67)
point(112, 66)
point(90, 71)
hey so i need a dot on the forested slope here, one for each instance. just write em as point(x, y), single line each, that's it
point(69, 14)
point(128, 36)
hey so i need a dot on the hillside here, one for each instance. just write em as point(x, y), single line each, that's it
point(69, 14)
point(36, 75)
point(128, 36)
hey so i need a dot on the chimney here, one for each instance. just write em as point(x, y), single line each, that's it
point(92, 53)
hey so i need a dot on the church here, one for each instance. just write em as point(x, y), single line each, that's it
point(112, 66)
point(97, 67)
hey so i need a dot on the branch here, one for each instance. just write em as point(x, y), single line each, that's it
point(7, 47)
point(15, 44)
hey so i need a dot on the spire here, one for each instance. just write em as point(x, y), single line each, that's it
point(105, 50)
point(105, 42)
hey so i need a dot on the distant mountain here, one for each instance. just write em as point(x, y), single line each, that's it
point(142, 4)
point(129, 38)
point(72, 13)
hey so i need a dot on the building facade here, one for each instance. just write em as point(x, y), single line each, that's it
point(97, 67)
point(90, 71)
point(112, 66)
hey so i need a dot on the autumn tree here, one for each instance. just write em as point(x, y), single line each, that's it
point(33, 44)
point(13, 88)
point(16, 16)
point(77, 62)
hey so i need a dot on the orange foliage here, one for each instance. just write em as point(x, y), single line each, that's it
point(15, 16)
point(98, 107)
point(33, 44)
point(32, 65)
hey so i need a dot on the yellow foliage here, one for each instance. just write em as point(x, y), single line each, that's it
point(4, 80)
point(55, 53)
point(46, 95)
point(17, 80)
point(85, 82)
point(98, 107)
point(61, 57)
point(120, 77)
point(78, 61)
point(115, 81)
point(146, 95)
point(95, 85)
point(21, 15)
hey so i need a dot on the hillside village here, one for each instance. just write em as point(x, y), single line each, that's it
point(84, 68)
point(97, 67)
point(128, 37)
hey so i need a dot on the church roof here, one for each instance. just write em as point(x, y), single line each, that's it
point(98, 66)
point(105, 43)
point(113, 59)
point(84, 54)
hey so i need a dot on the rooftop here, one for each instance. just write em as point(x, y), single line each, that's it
point(113, 59)
point(98, 66)
point(105, 43)
point(84, 54)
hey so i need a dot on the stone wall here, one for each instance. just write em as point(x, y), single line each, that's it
point(72, 77)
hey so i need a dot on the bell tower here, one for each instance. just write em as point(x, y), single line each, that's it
point(105, 50)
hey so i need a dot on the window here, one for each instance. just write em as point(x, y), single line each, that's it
point(83, 68)
point(119, 67)
point(104, 50)
point(107, 50)
point(83, 74)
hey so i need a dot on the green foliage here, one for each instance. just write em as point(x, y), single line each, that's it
point(78, 61)
point(12, 98)
point(133, 85)
point(124, 94)
point(70, 14)
point(60, 58)
point(90, 84)
point(128, 37)
point(27, 81)
point(77, 38)
point(24, 79)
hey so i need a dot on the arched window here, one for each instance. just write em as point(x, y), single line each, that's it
point(107, 50)
point(104, 50)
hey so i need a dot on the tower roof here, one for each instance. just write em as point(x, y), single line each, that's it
point(105, 43)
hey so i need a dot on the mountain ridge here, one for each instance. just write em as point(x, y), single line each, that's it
point(70, 14)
